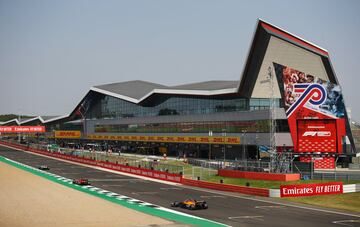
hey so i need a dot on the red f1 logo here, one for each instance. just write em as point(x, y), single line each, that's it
point(317, 133)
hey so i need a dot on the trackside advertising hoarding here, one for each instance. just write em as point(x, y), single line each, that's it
point(311, 189)
point(170, 139)
point(67, 134)
point(24, 129)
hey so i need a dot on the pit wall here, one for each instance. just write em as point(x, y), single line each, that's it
point(259, 176)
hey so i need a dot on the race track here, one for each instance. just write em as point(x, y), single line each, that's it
point(234, 210)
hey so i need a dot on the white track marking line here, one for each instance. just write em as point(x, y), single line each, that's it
point(112, 185)
point(112, 194)
point(103, 191)
point(343, 222)
point(70, 173)
point(144, 193)
point(271, 207)
point(212, 196)
point(111, 180)
point(246, 217)
point(171, 189)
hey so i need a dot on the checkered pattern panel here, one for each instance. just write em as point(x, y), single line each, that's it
point(307, 145)
point(321, 163)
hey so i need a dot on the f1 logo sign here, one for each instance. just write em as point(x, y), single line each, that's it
point(317, 133)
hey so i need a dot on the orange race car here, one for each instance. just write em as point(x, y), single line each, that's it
point(190, 204)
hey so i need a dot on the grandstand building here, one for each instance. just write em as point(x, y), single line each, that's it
point(288, 99)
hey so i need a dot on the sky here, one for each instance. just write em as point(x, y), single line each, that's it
point(52, 52)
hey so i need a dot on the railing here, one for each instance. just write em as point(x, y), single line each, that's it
point(242, 165)
point(336, 176)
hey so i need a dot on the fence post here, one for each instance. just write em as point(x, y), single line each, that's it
point(312, 170)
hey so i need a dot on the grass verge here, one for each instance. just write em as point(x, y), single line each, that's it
point(347, 201)
point(269, 184)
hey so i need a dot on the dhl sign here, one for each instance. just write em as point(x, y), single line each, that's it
point(169, 139)
point(67, 134)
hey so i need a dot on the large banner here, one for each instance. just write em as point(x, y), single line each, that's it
point(305, 90)
point(170, 139)
point(22, 129)
point(314, 108)
point(311, 189)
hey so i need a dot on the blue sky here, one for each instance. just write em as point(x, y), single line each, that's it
point(52, 52)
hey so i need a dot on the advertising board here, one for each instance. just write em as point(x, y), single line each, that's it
point(22, 129)
point(311, 189)
point(170, 139)
point(315, 110)
point(317, 135)
point(67, 134)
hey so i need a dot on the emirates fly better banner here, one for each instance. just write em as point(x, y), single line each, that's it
point(311, 189)
point(25, 129)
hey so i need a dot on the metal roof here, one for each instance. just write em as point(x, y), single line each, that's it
point(209, 85)
point(134, 89)
point(137, 90)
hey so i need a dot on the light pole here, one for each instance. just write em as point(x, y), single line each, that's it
point(244, 152)
point(224, 140)
point(257, 146)
point(210, 135)
point(19, 124)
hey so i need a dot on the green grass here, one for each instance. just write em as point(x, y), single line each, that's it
point(347, 201)
point(267, 184)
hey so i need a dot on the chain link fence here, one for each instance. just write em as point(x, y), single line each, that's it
point(242, 165)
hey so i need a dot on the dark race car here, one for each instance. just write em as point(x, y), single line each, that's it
point(190, 204)
point(81, 181)
point(44, 167)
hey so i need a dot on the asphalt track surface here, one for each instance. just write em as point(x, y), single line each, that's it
point(223, 208)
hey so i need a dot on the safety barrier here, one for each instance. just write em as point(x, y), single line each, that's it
point(259, 176)
point(227, 187)
point(349, 188)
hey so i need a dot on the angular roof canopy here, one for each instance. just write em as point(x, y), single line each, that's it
point(135, 89)
point(41, 119)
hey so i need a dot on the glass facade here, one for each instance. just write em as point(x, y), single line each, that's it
point(107, 107)
point(193, 127)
